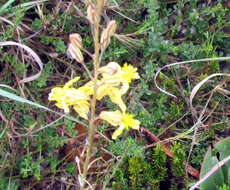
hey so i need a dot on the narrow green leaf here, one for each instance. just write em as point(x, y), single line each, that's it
point(5, 8)
point(6, 5)
point(3, 132)
point(23, 100)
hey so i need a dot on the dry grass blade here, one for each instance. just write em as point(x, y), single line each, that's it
point(32, 53)
point(7, 86)
point(125, 16)
point(11, 23)
point(198, 86)
point(130, 42)
point(180, 63)
point(7, 8)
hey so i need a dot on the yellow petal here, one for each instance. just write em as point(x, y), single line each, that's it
point(118, 132)
point(115, 118)
point(124, 87)
point(70, 83)
point(73, 95)
point(102, 91)
point(129, 73)
point(129, 122)
point(112, 80)
point(87, 88)
point(112, 117)
point(115, 97)
point(67, 97)
point(54, 93)
point(82, 108)
point(63, 105)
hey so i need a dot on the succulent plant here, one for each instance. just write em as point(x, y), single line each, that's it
point(213, 156)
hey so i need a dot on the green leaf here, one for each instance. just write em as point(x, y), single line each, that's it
point(221, 176)
point(23, 100)
point(37, 24)
point(6, 5)
point(59, 45)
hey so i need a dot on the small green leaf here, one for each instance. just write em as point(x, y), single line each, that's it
point(37, 24)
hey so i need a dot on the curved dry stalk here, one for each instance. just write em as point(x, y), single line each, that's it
point(180, 63)
point(193, 93)
point(32, 53)
point(3, 118)
point(87, 70)
point(196, 127)
point(198, 86)
point(7, 86)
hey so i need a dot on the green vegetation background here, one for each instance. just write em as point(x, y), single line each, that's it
point(163, 32)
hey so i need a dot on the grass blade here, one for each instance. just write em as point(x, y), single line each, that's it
point(6, 5)
point(23, 100)
point(5, 8)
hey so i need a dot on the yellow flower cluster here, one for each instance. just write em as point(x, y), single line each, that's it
point(123, 120)
point(114, 82)
point(69, 96)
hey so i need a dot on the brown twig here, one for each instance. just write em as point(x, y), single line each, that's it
point(195, 173)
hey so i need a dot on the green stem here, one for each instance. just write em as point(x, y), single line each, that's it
point(91, 131)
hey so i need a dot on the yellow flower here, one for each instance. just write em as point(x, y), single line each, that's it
point(123, 120)
point(69, 96)
point(113, 93)
point(114, 75)
point(87, 88)
point(105, 89)
point(129, 73)
point(115, 96)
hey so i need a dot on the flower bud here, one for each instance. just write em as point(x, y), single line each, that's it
point(107, 33)
point(111, 68)
point(76, 53)
point(91, 14)
point(75, 40)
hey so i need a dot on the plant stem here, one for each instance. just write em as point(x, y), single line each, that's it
point(96, 63)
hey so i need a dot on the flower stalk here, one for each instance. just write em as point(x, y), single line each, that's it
point(110, 80)
point(91, 130)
